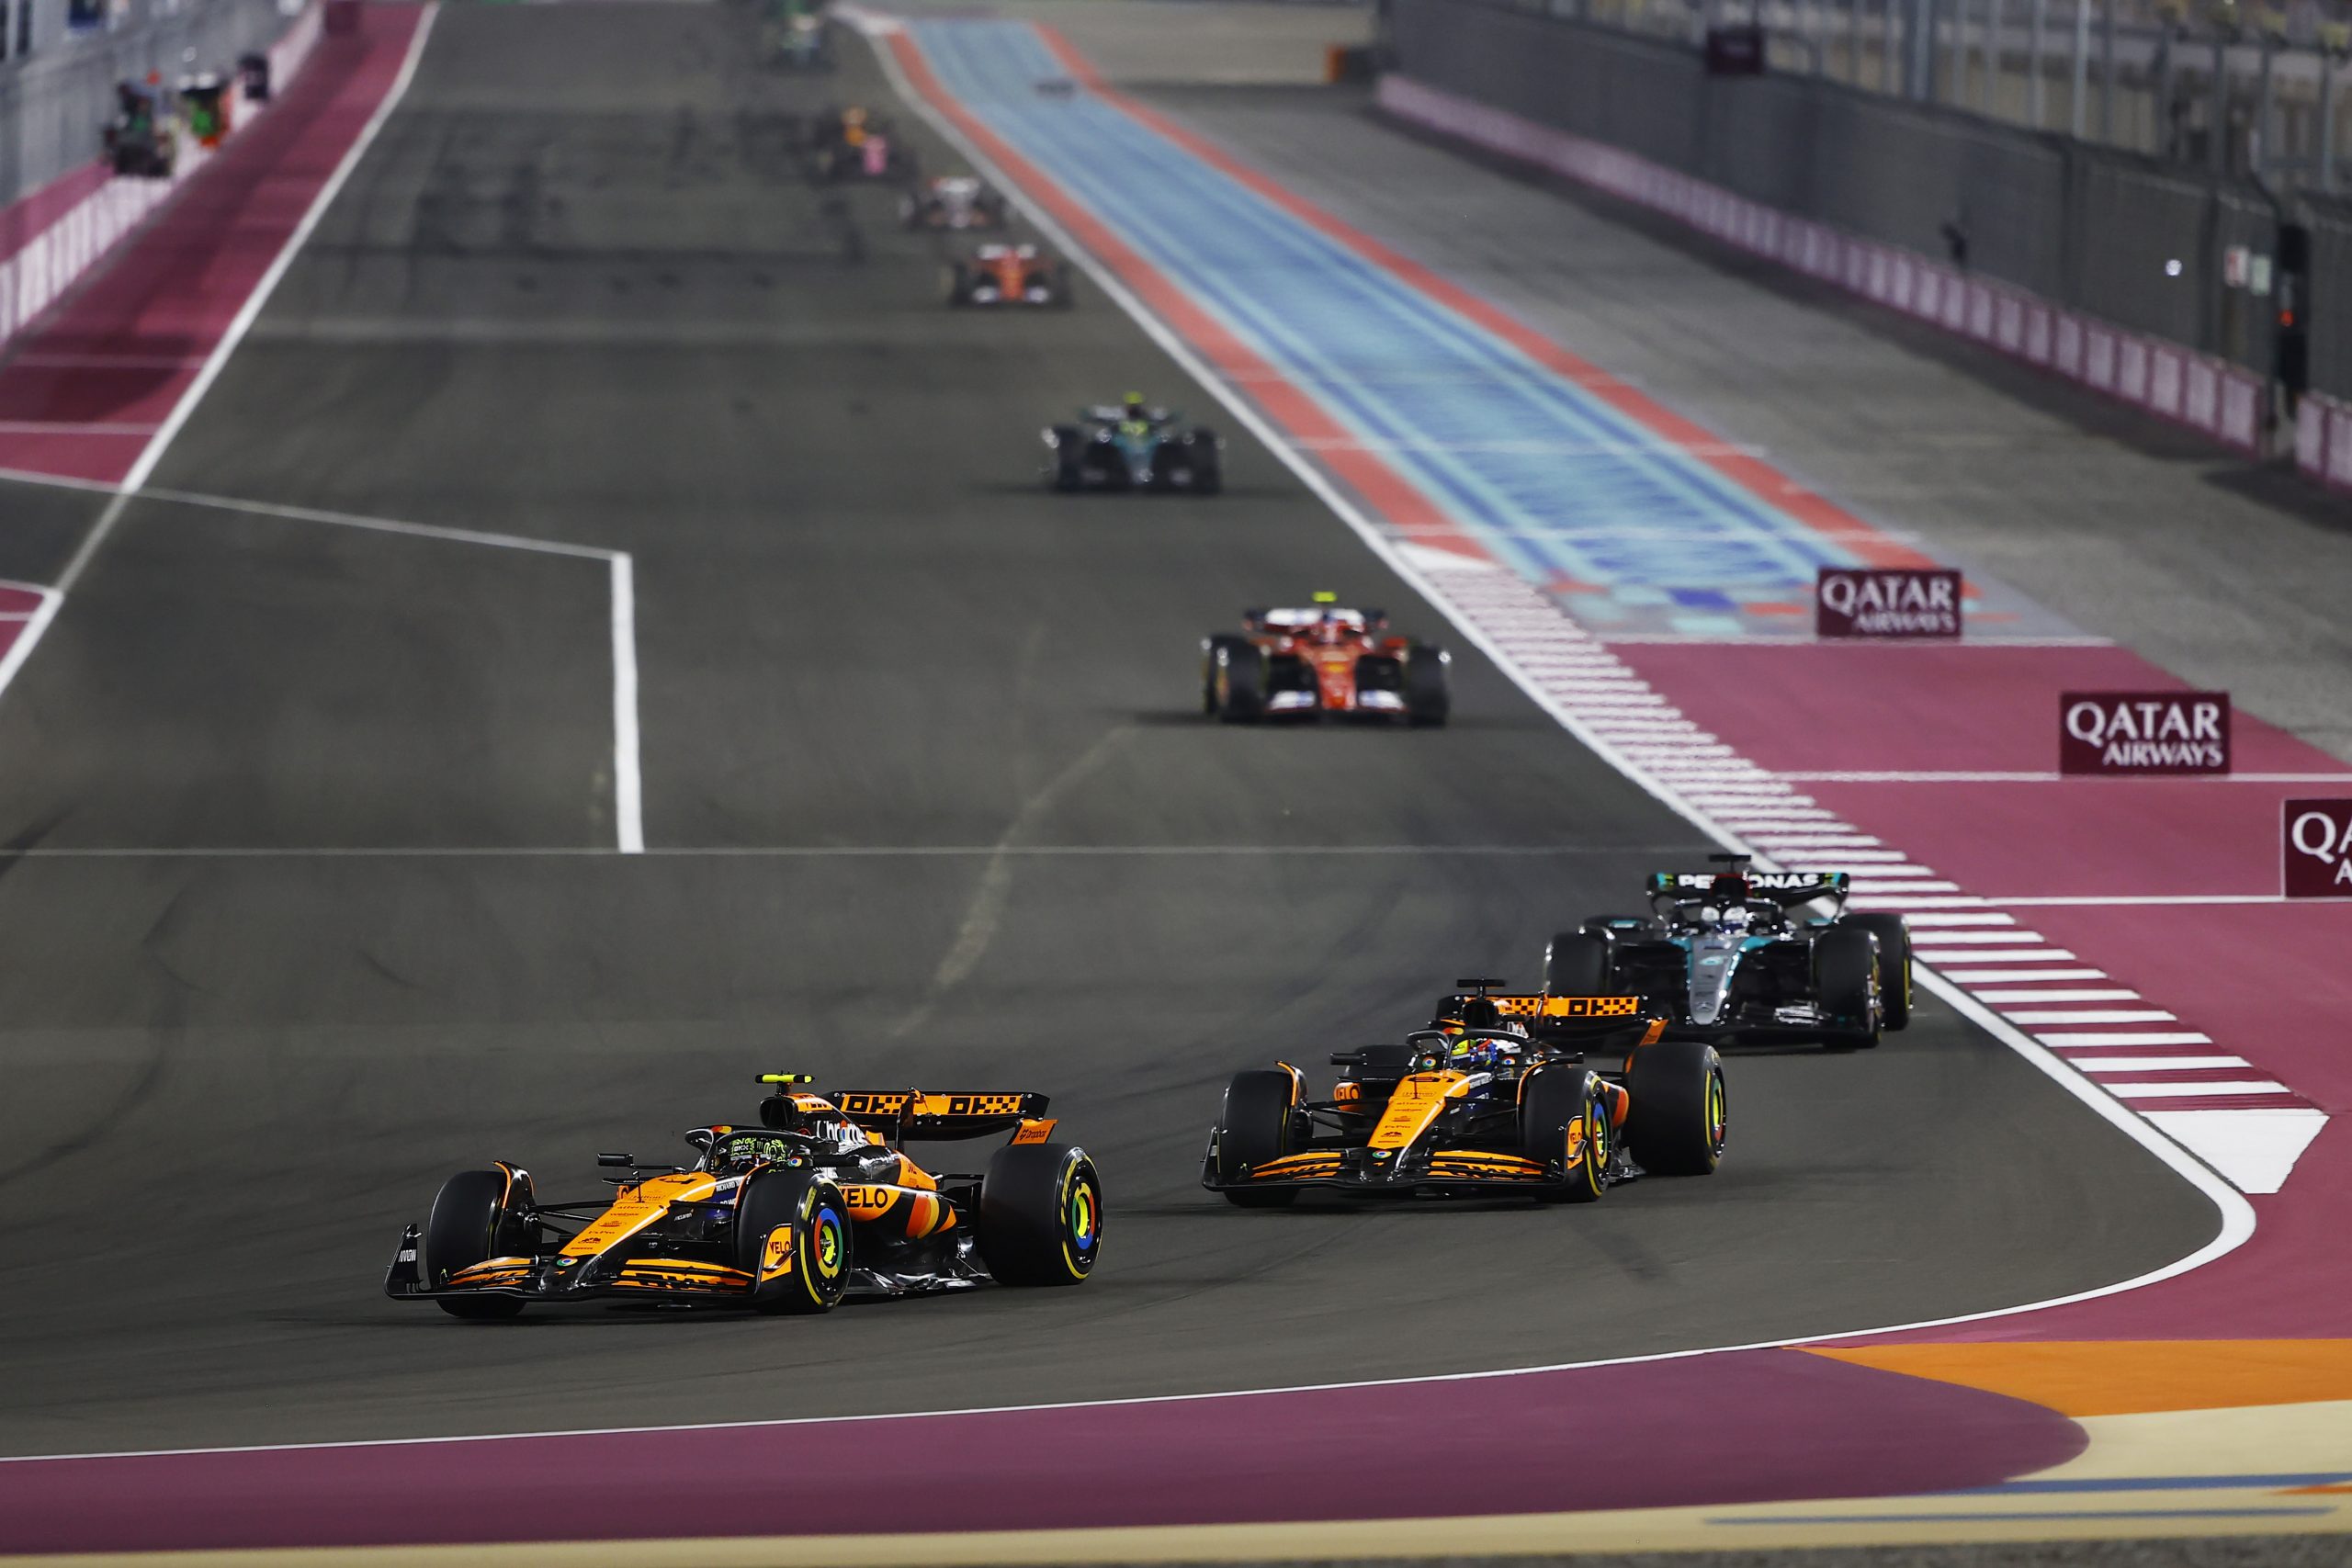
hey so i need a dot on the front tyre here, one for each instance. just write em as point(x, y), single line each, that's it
point(1578, 963)
point(1563, 1121)
point(1236, 681)
point(476, 1217)
point(1254, 1129)
point(1680, 1113)
point(1429, 695)
point(1893, 934)
point(1041, 1215)
point(1845, 978)
point(793, 1236)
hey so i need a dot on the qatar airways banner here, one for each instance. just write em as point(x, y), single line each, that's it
point(2315, 848)
point(2125, 733)
point(1885, 602)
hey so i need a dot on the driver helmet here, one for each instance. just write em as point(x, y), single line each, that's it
point(1131, 406)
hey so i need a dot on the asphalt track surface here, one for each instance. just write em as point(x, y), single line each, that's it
point(929, 801)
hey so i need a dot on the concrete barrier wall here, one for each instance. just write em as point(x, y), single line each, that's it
point(2128, 239)
point(53, 101)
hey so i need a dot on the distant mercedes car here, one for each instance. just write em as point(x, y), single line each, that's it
point(1131, 446)
point(1729, 956)
point(1554, 1098)
point(1008, 275)
point(802, 41)
point(953, 201)
point(1305, 663)
point(792, 1215)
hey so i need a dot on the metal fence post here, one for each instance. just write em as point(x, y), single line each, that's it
point(2327, 121)
point(2079, 95)
point(1988, 88)
point(2107, 70)
point(2217, 130)
point(2039, 19)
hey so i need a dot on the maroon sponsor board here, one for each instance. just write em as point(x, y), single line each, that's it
point(2315, 848)
point(2129, 733)
point(1886, 602)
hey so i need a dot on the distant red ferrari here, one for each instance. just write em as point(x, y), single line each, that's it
point(1008, 275)
point(1305, 663)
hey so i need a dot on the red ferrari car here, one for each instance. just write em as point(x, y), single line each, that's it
point(1008, 275)
point(1322, 660)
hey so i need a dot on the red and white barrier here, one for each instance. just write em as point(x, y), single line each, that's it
point(2222, 400)
point(2323, 441)
point(54, 236)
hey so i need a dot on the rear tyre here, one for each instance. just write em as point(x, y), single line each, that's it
point(1563, 1118)
point(1237, 678)
point(1041, 1215)
point(1893, 934)
point(792, 1236)
point(1845, 978)
point(1428, 697)
point(1677, 1121)
point(1384, 1066)
point(1577, 964)
point(1254, 1128)
point(1207, 458)
point(475, 1217)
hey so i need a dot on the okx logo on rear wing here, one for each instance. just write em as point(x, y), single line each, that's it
point(913, 1113)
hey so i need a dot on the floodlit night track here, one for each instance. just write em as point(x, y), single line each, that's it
point(321, 816)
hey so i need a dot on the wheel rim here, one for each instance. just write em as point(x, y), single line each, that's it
point(1718, 1118)
point(1596, 1143)
point(1081, 1220)
point(828, 1252)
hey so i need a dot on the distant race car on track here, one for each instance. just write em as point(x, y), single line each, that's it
point(1728, 956)
point(1129, 446)
point(1008, 275)
point(956, 201)
point(801, 41)
point(853, 144)
point(813, 1204)
point(1555, 1098)
point(1322, 660)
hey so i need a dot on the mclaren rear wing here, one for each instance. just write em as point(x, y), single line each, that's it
point(1585, 1020)
point(915, 1113)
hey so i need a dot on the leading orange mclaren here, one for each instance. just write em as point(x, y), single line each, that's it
point(1558, 1099)
point(812, 1205)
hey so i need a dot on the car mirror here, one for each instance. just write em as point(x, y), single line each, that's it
point(617, 1162)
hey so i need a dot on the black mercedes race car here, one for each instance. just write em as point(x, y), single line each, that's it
point(1728, 956)
point(1129, 446)
point(790, 1216)
point(1556, 1098)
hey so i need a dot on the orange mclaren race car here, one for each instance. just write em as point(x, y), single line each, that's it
point(1322, 660)
point(812, 1205)
point(1008, 275)
point(1556, 1098)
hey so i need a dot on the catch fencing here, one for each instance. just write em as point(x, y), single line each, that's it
point(2130, 240)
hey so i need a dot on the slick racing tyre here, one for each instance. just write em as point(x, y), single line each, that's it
point(1207, 455)
point(1254, 1128)
point(1066, 465)
point(1376, 1076)
point(1235, 681)
point(793, 1236)
point(1428, 697)
point(475, 1217)
point(1679, 1112)
point(1893, 934)
point(1041, 1215)
point(1564, 1114)
point(1845, 978)
point(1577, 964)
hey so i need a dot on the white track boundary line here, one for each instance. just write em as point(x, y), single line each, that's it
point(240, 323)
point(628, 810)
point(2236, 1214)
